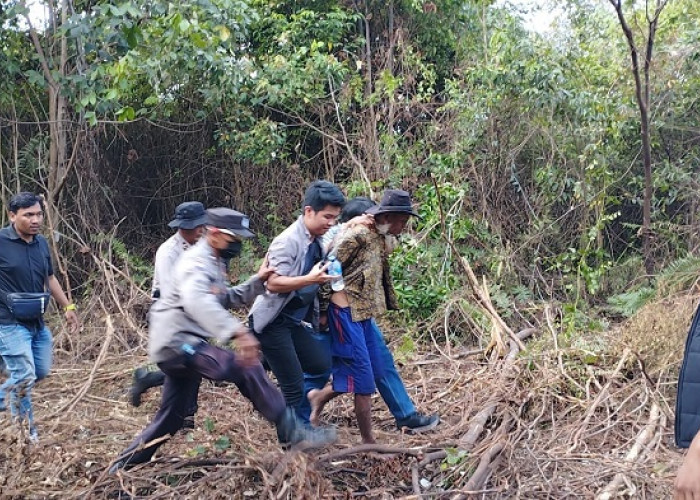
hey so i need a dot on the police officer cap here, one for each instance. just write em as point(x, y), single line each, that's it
point(189, 215)
point(230, 222)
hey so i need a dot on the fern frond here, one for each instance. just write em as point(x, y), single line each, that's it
point(628, 303)
point(679, 275)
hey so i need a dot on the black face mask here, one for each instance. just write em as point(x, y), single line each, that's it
point(232, 250)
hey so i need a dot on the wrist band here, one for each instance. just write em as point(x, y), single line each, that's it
point(70, 307)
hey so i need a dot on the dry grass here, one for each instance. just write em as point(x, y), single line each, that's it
point(560, 428)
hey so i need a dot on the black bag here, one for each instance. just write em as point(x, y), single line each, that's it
point(303, 297)
point(27, 306)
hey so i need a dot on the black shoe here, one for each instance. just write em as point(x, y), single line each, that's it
point(417, 422)
point(144, 379)
point(292, 431)
point(188, 424)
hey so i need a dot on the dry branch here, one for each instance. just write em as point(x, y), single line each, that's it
point(98, 362)
point(478, 423)
point(371, 448)
point(481, 294)
point(484, 469)
point(604, 393)
point(643, 438)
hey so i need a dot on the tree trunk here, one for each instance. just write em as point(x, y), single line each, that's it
point(371, 141)
point(642, 95)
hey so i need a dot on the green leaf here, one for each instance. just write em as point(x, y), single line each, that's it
point(91, 118)
point(132, 36)
point(198, 41)
point(224, 32)
point(117, 11)
point(209, 425)
point(126, 114)
point(223, 443)
point(196, 451)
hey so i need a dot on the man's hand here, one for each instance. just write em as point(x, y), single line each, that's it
point(266, 270)
point(73, 320)
point(318, 273)
point(247, 346)
point(361, 220)
point(687, 485)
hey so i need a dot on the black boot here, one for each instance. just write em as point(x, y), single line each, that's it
point(144, 379)
point(291, 431)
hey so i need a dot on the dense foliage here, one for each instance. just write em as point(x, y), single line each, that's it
point(527, 144)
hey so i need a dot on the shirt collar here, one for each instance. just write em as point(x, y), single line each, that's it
point(182, 241)
point(13, 235)
point(309, 238)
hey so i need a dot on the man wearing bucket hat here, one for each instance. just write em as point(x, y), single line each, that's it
point(361, 360)
point(189, 220)
point(194, 310)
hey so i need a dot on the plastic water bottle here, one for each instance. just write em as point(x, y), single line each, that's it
point(336, 270)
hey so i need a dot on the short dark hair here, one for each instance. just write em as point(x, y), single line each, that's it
point(320, 194)
point(355, 207)
point(25, 199)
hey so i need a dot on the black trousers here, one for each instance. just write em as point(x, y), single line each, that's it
point(291, 350)
point(183, 374)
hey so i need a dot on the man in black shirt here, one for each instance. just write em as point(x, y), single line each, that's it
point(26, 281)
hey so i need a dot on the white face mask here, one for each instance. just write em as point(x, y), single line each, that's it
point(383, 228)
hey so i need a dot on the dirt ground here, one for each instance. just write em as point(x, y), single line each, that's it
point(564, 422)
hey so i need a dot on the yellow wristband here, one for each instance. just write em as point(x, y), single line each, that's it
point(70, 307)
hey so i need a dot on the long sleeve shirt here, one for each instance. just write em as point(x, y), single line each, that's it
point(167, 256)
point(196, 307)
point(287, 253)
point(363, 254)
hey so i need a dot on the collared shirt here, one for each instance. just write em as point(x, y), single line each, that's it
point(166, 257)
point(196, 306)
point(366, 273)
point(287, 253)
point(24, 267)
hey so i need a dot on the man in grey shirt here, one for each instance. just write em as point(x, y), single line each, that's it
point(189, 220)
point(194, 310)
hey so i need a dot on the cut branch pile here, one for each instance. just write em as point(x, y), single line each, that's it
point(533, 422)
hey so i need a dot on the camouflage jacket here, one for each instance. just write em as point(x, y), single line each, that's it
point(362, 253)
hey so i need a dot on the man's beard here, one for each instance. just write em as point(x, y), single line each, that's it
point(383, 228)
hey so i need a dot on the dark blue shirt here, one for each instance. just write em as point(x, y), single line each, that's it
point(24, 267)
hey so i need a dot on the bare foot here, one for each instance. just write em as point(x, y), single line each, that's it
point(315, 397)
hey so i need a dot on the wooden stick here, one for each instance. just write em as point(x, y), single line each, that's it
point(480, 295)
point(635, 452)
point(478, 423)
